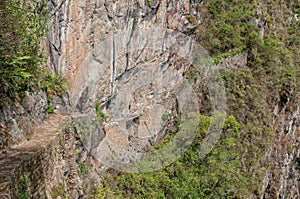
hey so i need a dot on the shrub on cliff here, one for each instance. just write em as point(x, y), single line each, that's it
point(23, 25)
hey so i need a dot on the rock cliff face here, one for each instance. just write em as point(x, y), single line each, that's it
point(53, 163)
point(107, 49)
point(79, 26)
point(282, 176)
point(18, 119)
point(104, 48)
point(80, 30)
point(119, 55)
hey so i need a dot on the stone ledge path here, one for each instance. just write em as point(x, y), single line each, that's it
point(12, 157)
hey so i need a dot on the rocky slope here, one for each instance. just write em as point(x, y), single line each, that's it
point(100, 46)
point(282, 176)
point(18, 119)
point(104, 47)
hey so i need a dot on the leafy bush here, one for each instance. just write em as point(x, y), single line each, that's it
point(219, 175)
point(23, 26)
point(227, 25)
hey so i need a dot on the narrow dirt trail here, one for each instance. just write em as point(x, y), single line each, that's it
point(10, 158)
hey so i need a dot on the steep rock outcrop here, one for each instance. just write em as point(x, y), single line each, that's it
point(99, 46)
point(55, 162)
point(78, 26)
point(282, 176)
point(17, 119)
point(118, 55)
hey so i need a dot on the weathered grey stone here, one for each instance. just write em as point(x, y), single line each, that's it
point(36, 105)
point(101, 47)
point(17, 119)
point(80, 46)
point(62, 104)
point(282, 177)
point(15, 132)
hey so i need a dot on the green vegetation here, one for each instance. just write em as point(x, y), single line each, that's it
point(57, 190)
point(83, 168)
point(233, 169)
point(83, 129)
point(23, 27)
point(99, 113)
point(102, 192)
point(51, 108)
point(227, 26)
point(23, 191)
point(217, 58)
point(165, 116)
point(219, 175)
point(28, 137)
